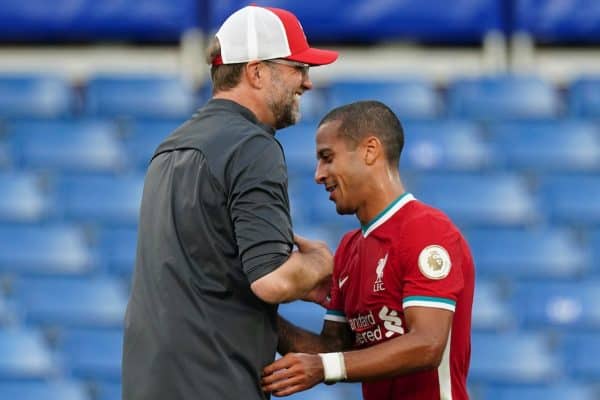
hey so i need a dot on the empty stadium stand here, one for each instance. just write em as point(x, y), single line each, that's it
point(513, 158)
point(446, 145)
point(139, 96)
point(74, 146)
point(565, 306)
point(564, 390)
point(93, 354)
point(25, 356)
point(54, 249)
point(35, 95)
point(548, 146)
point(584, 97)
point(524, 358)
point(479, 200)
point(61, 302)
point(53, 390)
point(23, 199)
point(537, 254)
point(408, 98)
point(496, 98)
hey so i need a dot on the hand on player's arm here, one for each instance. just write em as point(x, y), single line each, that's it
point(305, 275)
point(420, 348)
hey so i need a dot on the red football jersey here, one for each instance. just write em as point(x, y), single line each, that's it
point(410, 255)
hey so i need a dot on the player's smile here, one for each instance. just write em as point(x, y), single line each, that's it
point(330, 188)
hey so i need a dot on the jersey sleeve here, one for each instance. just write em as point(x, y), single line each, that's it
point(259, 206)
point(335, 309)
point(433, 259)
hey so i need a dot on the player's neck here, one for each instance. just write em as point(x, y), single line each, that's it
point(383, 193)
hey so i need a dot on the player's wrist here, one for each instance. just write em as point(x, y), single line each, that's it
point(334, 367)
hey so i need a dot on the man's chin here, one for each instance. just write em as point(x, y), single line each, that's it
point(343, 210)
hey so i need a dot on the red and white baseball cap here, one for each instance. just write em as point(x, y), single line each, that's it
point(264, 33)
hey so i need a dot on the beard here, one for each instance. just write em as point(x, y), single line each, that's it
point(286, 110)
point(284, 104)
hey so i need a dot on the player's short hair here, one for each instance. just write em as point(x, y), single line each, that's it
point(223, 76)
point(363, 118)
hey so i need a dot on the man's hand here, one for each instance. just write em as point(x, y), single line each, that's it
point(305, 269)
point(292, 373)
point(322, 262)
point(320, 293)
point(317, 251)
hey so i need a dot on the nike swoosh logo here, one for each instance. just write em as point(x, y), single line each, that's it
point(342, 281)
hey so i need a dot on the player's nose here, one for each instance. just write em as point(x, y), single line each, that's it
point(320, 175)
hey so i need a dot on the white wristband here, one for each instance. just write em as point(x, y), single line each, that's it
point(334, 367)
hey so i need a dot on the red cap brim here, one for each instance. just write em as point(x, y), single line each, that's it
point(314, 56)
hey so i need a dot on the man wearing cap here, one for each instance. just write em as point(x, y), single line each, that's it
point(215, 240)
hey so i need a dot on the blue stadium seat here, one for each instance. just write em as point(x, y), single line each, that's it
point(52, 249)
point(340, 391)
point(40, 96)
point(5, 158)
point(581, 352)
point(24, 356)
point(88, 21)
point(93, 354)
point(515, 357)
point(534, 254)
point(6, 312)
point(572, 199)
point(572, 306)
point(140, 96)
point(101, 199)
point(446, 146)
point(502, 97)
point(108, 391)
point(62, 302)
point(408, 98)
point(145, 137)
point(564, 21)
point(356, 20)
point(594, 243)
point(67, 145)
point(478, 199)
point(584, 97)
point(548, 146)
point(313, 106)
point(490, 309)
point(51, 390)
point(299, 147)
point(21, 198)
point(555, 391)
point(116, 248)
point(305, 314)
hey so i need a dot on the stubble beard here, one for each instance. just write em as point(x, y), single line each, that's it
point(286, 111)
point(284, 105)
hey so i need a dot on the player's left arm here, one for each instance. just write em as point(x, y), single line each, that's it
point(420, 348)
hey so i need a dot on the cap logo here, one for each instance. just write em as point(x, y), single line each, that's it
point(434, 262)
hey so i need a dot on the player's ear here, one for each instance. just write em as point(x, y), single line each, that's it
point(254, 73)
point(372, 149)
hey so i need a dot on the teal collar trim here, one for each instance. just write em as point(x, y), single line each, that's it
point(384, 215)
